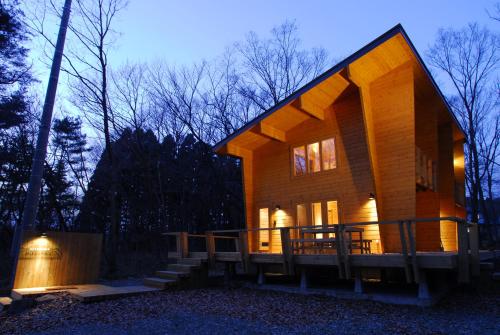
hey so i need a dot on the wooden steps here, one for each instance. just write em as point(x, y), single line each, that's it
point(186, 269)
point(166, 274)
point(160, 283)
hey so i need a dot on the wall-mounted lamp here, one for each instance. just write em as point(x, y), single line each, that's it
point(371, 196)
point(43, 235)
point(277, 208)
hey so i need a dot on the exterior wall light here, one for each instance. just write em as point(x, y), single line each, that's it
point(371, 196)
point(277, 208)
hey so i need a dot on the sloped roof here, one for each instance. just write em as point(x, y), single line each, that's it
point(398, 29)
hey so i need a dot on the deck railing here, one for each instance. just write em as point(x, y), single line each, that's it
point(467, 245)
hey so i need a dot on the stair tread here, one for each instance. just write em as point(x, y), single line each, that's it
point(160, 280)
point(172, 272)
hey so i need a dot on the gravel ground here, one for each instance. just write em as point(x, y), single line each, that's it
point(246, 311)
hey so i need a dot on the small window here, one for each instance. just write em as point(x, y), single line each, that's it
point(333, 212)
point(299, 159)
point(301, 215)
point(316, 216)
point(264, 224)
point(328, 154)
point(313, 157)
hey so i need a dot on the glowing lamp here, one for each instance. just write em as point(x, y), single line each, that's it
point(371, 196)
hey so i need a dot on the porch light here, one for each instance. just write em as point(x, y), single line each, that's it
point(277, 208)
point(43, 235)
point(371, 196)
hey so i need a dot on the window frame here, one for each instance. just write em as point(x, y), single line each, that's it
point(305, 146)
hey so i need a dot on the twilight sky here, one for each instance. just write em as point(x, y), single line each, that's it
point(187, 31)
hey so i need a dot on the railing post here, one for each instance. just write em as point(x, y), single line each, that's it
point(243, 243)
point(474, 249)
point(463, 252)
point(287, 250)
point(413, 251)
point(183, 245)
point(404, 251)
point(345, 253)
point(338, 245)
point(210, 241)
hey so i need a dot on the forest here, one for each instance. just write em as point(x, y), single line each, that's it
point(130, 151)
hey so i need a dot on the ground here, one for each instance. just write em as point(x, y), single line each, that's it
point(247, 311)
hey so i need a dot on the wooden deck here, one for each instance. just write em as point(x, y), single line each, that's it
point(340, 254)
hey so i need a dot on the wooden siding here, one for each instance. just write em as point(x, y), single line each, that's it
point(426, 140)
point(350, 183)
point(58, 259)
point(393, 124)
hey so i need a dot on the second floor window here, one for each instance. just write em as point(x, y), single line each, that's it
point(314, 157)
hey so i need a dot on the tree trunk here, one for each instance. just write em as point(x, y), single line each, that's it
point(33, 192)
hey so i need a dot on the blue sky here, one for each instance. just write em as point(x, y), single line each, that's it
point(185, 31)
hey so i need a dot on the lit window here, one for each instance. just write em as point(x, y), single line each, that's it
point(316, 216)
point(328, 154)
point(299, 159)
point(264, 224)
point(313, 157)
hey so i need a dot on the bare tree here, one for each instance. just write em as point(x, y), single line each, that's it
point(87, 65)
point(178, 92)
point(276, 67)
point(469, 59)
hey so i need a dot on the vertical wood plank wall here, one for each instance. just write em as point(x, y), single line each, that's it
point(426, 139)
point(350, 183)
point(393, 117)
point(59, 259)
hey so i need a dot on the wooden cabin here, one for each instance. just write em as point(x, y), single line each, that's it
point(372, 139)
point(359, 171)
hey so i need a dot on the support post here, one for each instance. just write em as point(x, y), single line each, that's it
point(260, 277)
point(358, 281)
point(423, 286)
point(287, 251)
point(304, 282)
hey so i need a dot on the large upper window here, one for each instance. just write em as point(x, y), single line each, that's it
point(299, 160)
point(314, 157)
point(328, 154)
point(313, 160)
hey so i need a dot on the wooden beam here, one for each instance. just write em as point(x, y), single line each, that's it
point(305, 104)
point(234, 150)
point(265, 129)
